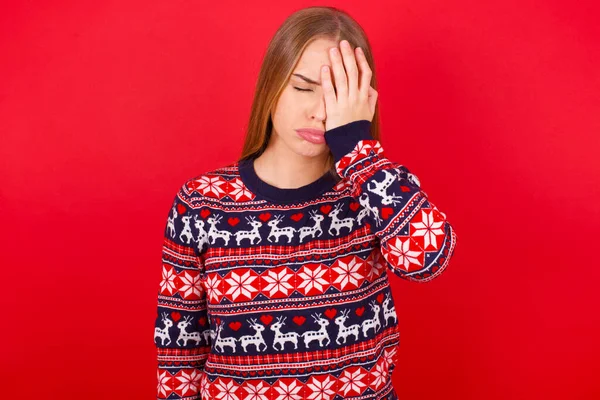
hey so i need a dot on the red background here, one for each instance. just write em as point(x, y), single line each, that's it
point(106, 107)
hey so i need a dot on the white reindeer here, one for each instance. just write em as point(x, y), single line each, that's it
point(214, 233)
point(367, 209)
point(337, 223)
point(277, 232)
point(186, 232)
point(373, 322)
point(202, 238)
point(256, 339)
point(312, 230)
point(381, 188)
point(208, 333)
point(346, 331)
point(171, 221)
point(164, 332)
point(251, 234)
point(185, 336)
point(319, 335)
point(224, 341)
point(389, 312)
point(281, 338)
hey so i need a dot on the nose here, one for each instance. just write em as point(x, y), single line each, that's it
point(319, 113)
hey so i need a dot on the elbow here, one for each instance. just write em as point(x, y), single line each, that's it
point(413, 259)
point(437, 262)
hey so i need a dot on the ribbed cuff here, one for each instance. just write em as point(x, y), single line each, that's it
point(342, 139)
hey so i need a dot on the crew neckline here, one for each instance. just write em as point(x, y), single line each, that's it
point(283, 195)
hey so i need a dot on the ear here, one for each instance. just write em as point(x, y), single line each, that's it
point(372, 100)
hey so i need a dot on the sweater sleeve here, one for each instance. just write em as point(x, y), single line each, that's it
point(416, 240)
point(181, 333)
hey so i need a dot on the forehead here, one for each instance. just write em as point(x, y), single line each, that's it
point(314, 56)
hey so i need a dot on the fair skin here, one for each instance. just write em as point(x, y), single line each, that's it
point(340, 95)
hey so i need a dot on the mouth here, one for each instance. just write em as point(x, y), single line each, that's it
point(312, 135)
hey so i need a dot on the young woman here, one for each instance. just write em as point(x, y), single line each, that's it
point(274, 280)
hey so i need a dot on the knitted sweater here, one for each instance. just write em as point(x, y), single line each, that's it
point(273, 293)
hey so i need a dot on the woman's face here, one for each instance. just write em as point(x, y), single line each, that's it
point(302, 104)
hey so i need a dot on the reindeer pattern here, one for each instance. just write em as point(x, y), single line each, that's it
point(281, 335)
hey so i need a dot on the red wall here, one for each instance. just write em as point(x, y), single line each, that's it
point(106, 107)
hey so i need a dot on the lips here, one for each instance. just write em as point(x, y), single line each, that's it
point(312, 135)
point(312, 131)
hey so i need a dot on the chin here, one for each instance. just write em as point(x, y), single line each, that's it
point(308, 149)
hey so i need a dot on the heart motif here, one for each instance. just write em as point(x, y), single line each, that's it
point(299, 320)
point(233, 221)
point(360, 311)
point(266, 319)
point(181, 209)
point(264, 217)
point(202, 321)
point(176, 316)
point(235, 325)
point(386, 212)
point(325, 209)
point(205, 213)
point(297, 217)
point(380, 298)
point(354, 206)
point(330, 313)
point(218, 320)
point(405, 188)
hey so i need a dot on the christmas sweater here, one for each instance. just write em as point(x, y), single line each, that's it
point(282, 293)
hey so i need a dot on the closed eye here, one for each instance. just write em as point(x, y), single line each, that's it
point(302, 90)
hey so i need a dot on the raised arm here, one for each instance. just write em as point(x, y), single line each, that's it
point(417, 241)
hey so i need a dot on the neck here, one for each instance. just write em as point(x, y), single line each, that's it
point(286, 169)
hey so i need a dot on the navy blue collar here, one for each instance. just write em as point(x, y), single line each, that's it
point(278, 195)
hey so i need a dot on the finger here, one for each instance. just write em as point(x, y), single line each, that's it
point(339, 74)
point(328, 89)
point(365, 73)
point(351, 69)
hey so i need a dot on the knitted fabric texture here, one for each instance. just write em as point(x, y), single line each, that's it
point(276, 294)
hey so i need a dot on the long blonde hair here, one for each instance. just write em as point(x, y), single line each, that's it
point(284, 51)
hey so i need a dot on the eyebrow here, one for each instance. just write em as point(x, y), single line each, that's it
point(308, 79)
